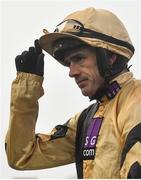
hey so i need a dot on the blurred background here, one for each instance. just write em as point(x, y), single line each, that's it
point(21, 23)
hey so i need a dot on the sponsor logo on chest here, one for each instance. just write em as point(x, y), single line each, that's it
point(91, 138)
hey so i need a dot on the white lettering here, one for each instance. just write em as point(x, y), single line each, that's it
point(93, 139)
point(88, 152)
point(86, 140)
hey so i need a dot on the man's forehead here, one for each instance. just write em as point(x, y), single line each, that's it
point(85, 50)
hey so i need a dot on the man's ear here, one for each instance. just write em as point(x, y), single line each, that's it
point(112, 59)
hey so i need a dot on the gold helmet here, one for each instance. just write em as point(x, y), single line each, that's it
point(94, 27)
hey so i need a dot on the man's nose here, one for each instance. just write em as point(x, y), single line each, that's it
point(74, 69)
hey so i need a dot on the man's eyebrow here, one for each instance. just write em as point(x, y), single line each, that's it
point(76, 55)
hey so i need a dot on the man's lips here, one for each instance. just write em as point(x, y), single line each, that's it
point(81, 82)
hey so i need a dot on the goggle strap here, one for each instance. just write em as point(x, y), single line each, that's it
point(85, 32)
point(98, 35)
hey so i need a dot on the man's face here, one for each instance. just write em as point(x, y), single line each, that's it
point(83, 68)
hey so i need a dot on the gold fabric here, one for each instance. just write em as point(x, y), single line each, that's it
point(99, 20)
point(25, 150)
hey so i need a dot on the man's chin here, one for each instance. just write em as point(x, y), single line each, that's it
point(86, 93)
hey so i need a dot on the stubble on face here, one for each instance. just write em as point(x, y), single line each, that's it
point(92, 82)
point(86, 73)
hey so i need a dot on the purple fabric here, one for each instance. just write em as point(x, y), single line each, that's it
point(112, 89)
point(92, 132)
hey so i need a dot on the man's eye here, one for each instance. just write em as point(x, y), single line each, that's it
point(79, 59)
point(75, 60)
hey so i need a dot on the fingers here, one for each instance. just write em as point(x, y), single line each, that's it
point(31, 49)
point(38, 48)
point(19, 59)
point(19, 62)
point(40, 64)
point(31, 61)
point(41, 56)
point(25, 54)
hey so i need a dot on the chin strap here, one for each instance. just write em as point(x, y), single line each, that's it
point(109, 71)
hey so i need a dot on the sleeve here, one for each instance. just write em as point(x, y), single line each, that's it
point(131, 136)
point(26, 150)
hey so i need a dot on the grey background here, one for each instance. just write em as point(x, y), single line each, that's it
point(22, 22)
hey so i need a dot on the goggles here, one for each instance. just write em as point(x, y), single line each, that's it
point(63, 45)
point(75, 27)
point(72, 26)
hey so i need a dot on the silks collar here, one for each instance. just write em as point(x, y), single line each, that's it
point(112, 88)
